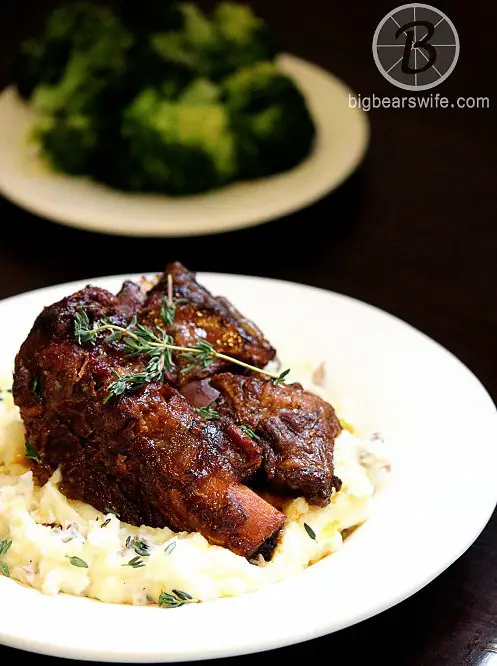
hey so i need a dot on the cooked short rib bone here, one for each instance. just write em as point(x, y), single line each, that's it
point(200, 315)
point(145, 455)
point(296, 428)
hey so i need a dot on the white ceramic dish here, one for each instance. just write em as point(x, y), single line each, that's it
point(442, 490)
point(343, 135)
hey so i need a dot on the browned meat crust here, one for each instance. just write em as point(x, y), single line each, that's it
point(147, 455)
point(131, 298)
point(200, 315)
point(296, 428)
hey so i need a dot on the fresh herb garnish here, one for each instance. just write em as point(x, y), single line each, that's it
point(167, 312)
point(35, 389)
point(208, 413)
point(201, 355)
point(141, 548)
point(281, 377)
point(310, 532)
point(249, 432)
point(170, 548)
point(4, 547)
point(176, 599)
point(32, 453)
point(135, 563)
point(77, 562)
point(155, 343)
point(168, 308)
point(105, 523)
point(82, 329)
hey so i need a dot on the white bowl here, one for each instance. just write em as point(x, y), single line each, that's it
point(441, 427)
point(343, 135)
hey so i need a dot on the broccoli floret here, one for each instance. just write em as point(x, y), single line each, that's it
point(214, 47)
point(190, 46)
point(69, 143)
point(200, 91)
point(274, 128)
point(178, 148)
point(83, 49)
point(37, 62)
point(44, 60)
point(244, 37)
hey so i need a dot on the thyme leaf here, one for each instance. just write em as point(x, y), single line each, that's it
point(281, 377)
point(249, 432)
point(170, 548)
point(32, 453)
point(35, 389)
point(310, 532)
point(4, 570)
point(77, 562)
point(167, 312)
point(176, 599)
point(135, 563)
point(208, 413)
point(4, 547)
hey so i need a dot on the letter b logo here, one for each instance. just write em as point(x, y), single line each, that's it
point(416, 47)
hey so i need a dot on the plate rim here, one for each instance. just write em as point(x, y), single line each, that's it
point(267, 644)
point(106, 225)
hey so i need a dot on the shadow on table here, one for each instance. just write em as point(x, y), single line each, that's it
point(290, 247)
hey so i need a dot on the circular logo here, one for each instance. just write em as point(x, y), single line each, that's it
point(416, 47)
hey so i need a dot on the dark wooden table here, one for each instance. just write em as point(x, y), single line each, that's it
point(414, 232)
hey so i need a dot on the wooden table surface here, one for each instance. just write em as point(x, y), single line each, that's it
point(413, 232)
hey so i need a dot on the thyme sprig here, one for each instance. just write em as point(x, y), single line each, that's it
point(135, 563)
point(176, 599)
point(158, 346)
point(207, 413)
point(138, 545)
point(167, 312)
point(4, 547)
point(249, 432)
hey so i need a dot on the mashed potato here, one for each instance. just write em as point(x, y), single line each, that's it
point(59, 545)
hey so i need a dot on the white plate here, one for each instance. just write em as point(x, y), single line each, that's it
point(441, 426)
point(342, 139)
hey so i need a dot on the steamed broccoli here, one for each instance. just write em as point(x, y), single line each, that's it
point(82, 51)
point(233, 37)
point(180, 147)
point(44, 60)
point(162, 97)
point(244, 37)
point(69, 143)
point(274, 128)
